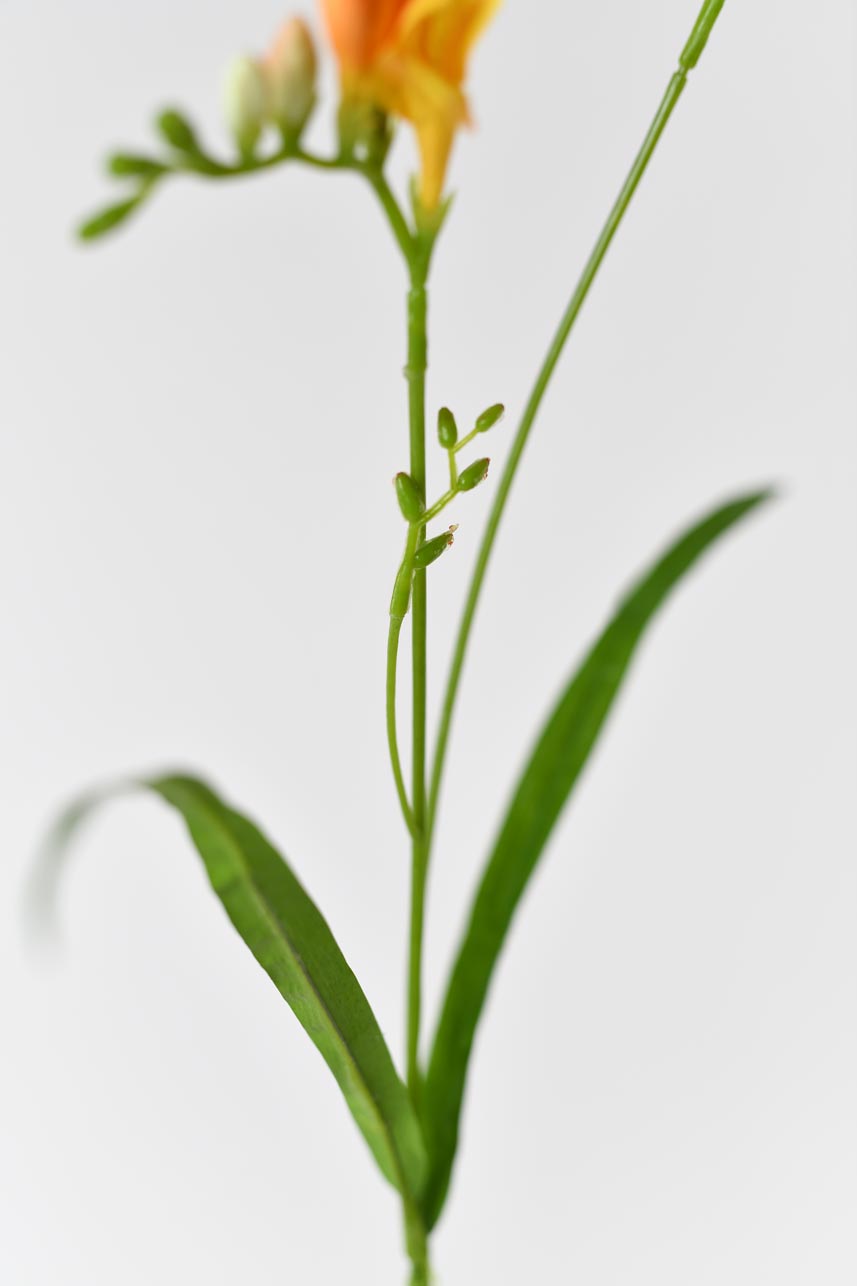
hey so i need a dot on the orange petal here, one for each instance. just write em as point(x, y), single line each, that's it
point(358, 28)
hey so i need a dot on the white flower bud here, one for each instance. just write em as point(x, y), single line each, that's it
point(245, 103)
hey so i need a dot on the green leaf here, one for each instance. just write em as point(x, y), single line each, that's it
point(555, 765)
point(291, 941)
point(111, 218)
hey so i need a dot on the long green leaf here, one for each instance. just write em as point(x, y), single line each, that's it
point(548, 779)
point(291, 941)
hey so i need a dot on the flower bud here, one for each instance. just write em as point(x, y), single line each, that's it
point(408, 495)
point(290, 70)
point(245, 104)
point(125, 165)
point(489, 418)
point(431, 551)
point(178, 131)
point(473, 475)
point(447, 429)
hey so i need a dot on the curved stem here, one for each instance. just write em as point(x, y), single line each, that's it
point(644, 156)
point(205, 166)
point(392, 735)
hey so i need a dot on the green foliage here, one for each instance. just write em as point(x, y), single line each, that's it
point(110, 218)
point(562, 750)
point(291, 941)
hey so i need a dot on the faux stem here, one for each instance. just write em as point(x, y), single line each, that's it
point(392, 734)
point(689, 58)
point(416, 374)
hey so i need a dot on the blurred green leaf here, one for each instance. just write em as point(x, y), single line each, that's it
point(291, 941)
point(110, 218)
point(554, 767)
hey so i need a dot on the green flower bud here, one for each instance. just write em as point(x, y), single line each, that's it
point(408, 495)
point(473, 475)
point(178, 131)
point(431, 551)
point(123, 165)
point(489, 418)
point(245, 103)
point(447, 429)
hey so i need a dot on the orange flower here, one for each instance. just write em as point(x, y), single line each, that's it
point(410, 57)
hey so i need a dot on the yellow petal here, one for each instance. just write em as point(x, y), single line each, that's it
point(442, 32)
point(410, 58)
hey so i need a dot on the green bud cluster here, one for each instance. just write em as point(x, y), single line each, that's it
point(417, 514)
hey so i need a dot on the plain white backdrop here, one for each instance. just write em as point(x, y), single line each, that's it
point(199, 424)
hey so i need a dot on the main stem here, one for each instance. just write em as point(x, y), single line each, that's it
point(416, 375)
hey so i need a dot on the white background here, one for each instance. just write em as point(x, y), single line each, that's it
point(199, 424)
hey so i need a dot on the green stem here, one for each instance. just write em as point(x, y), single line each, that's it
point(439, 505)
point(392, 735)
point(689, 58)
point(465, 442)
point(416, 1240)
point(399, 224)
point(416, 375)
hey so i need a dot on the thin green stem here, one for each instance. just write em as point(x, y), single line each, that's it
point(323, 162)
point(392, 735)
point(674, 90)
point(439, 505)
point(416, 375)
point(465, 442)
point(453, 471)
point(416, 1239)
point(206, 166)
point(401, 231)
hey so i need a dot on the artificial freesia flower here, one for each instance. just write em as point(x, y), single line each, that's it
point(410, 57)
